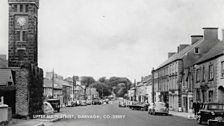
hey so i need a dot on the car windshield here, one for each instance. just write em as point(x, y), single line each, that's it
point(216, 107)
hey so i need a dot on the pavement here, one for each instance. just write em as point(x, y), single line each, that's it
point(187, 115)
point(32, 122)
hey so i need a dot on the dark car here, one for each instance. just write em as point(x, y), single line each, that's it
point(55, 103)
point(210, 112)
point(96, 101)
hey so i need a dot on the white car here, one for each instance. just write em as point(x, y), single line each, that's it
point(158, 108)
point(47, 108)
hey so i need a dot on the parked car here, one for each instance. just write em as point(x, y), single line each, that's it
point(55, 103)
point(72, 104)
point(83, 103)
point(122, 104)
point(211, 113)
point(47, 108)
point(89, 102)
point(96, 101)
point(158, 108)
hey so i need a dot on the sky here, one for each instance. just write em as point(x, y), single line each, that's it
point(124, 38)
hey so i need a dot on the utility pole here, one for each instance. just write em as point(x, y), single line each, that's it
point(53, 83)
point(153, 85)
point(73, 85)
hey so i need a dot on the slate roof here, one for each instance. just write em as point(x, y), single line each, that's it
point(5, 76)
point(3, 63)
point(57, 83)
point(181, 54)
point(217, 50)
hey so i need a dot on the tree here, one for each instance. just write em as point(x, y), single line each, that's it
point(86, 81)
point(101, 88)
point(119, 85)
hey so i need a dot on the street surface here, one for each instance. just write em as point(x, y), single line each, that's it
point(112, 115)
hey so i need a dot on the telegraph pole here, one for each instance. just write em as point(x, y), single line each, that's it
point(73, 86)
point(153, 85)
point(53, 83)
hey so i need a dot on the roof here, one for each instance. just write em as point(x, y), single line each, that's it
point(5, 76)
point(3, 63)
point(217, 50)
point(181, 54)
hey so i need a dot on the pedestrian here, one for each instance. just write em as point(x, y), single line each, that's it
point(195, 107)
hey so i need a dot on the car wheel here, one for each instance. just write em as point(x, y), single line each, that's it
point(199, 119)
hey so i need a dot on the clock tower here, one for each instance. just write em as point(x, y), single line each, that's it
point(23, 32)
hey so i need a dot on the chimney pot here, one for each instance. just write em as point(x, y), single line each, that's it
point(171, 54)
point(181, 47)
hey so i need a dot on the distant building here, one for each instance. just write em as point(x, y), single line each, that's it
point(61, 88)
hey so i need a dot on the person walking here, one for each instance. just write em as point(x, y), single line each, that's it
point(196, 107)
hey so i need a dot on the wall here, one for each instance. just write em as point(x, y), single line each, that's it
point(29, 90)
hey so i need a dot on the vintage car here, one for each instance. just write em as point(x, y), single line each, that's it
point(55, 103)
point(96, 101)
point(212, 113)
point(122, 104)
point(47, 108)
point(158, 108)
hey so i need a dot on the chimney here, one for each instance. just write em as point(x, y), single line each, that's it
point(3, 57)
point(195, 38)
point(181, 47)
point(210, 33)
point(171, 54)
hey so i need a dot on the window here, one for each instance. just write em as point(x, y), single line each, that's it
point(211, 74)
point(27, 8)
point(196, 50)
point(21, 8)
point(203, 73)
point(198, 75)
point(24, 38)
point(210, 96)
point(222, 69)
point(15, 8)
point(21, 54)
point(17, 35)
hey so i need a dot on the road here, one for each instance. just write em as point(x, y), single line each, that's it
point(112, 115)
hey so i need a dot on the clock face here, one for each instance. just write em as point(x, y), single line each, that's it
point(21, 21)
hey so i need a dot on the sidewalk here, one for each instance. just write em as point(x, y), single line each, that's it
point(32, 122)
point(29, 122)
point(187, 115)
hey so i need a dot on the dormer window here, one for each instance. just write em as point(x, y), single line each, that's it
point(196, 50)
